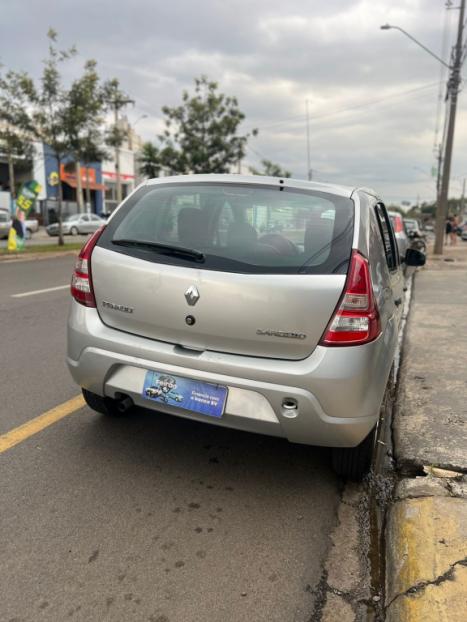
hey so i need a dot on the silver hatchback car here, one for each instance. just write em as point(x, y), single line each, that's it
point(264, 304)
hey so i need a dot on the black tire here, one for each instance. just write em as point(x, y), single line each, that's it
point(353, 463)
point(74, 231)
point(104, 405)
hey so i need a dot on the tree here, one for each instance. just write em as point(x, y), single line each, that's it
point(149, 160)
point(16, 91)
point(82, 120)
point(200, 135)
point(271, 170)
point(50, 112)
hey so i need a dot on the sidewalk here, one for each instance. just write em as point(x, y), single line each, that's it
point(426, 538)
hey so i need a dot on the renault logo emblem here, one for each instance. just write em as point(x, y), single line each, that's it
point(192, 295)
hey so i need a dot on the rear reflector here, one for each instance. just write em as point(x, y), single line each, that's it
point(81, 281)
point(356, 319)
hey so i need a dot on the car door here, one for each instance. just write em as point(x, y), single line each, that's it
point(393, 262)
point(84, 224)
point(95, 222)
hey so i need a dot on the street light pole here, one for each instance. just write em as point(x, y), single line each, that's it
point(453, 90)
point(131, 130)
point(404, 32)
point(116, 105)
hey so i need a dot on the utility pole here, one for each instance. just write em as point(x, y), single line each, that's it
point(117, 155)
point(308, 159)
point(453, 90)
point(116, 105)
point(462, 206)
point(439, 158)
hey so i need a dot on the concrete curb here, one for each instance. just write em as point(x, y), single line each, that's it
point(427, 552)
point(36, 256)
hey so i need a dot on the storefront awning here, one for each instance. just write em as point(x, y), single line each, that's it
point(71, 181)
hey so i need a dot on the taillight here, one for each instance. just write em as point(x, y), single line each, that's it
point(398, 226)
point(356, 319)
point(81, 281)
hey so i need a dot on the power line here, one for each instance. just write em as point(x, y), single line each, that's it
point(366, 104)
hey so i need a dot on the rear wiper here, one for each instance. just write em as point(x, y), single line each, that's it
point(163, 249)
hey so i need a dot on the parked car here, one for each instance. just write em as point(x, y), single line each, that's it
point(400, 233)
point(292, 337)
point(464, 235)
point(415, 234)
point(77, 224)
point(412, 225)
point(5, 223)
point(31, 224)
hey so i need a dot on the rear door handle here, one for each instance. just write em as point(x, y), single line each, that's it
point(398, 301)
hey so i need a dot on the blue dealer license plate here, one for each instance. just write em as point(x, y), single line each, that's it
point(199, 397)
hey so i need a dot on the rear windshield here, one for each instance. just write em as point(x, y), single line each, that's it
point(235, 228)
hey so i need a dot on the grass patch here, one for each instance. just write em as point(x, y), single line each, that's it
point(44, 248)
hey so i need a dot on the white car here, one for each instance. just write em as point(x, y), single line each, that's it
point(5, 223)
point(32, 225)
point(77, 224)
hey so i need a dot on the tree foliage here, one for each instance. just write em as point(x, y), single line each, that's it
point(51, 100)
point(51, 108)
point(115, 99)
point(270, 169)
point(16, 136)
point(201, 134)
point(149, 160)
point(82, 117)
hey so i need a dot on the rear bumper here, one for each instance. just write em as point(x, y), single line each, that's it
point(338, 390)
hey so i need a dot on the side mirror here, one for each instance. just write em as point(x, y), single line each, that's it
point(415, 258)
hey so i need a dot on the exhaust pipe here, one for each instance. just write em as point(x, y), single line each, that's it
point(124, 403)
point(289, 407)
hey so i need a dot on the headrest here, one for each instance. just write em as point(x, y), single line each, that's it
point(192, 227)
point(241, 234)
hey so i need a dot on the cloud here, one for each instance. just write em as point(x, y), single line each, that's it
point(368, 123)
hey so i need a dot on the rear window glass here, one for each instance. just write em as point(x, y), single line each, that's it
point(235, 228)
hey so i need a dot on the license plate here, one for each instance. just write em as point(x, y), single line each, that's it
point(193, 395)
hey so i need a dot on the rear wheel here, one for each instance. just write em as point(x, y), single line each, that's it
point(104, 405)
point(354, 462)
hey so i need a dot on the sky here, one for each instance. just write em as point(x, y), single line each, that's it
point(373, 95)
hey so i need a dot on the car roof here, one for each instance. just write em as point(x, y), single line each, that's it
point(287, 182)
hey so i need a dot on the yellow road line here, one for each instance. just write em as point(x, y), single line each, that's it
point(22, 432)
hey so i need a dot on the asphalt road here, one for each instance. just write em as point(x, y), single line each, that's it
point(147, 518)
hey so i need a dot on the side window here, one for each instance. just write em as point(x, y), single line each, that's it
point(387, 236)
